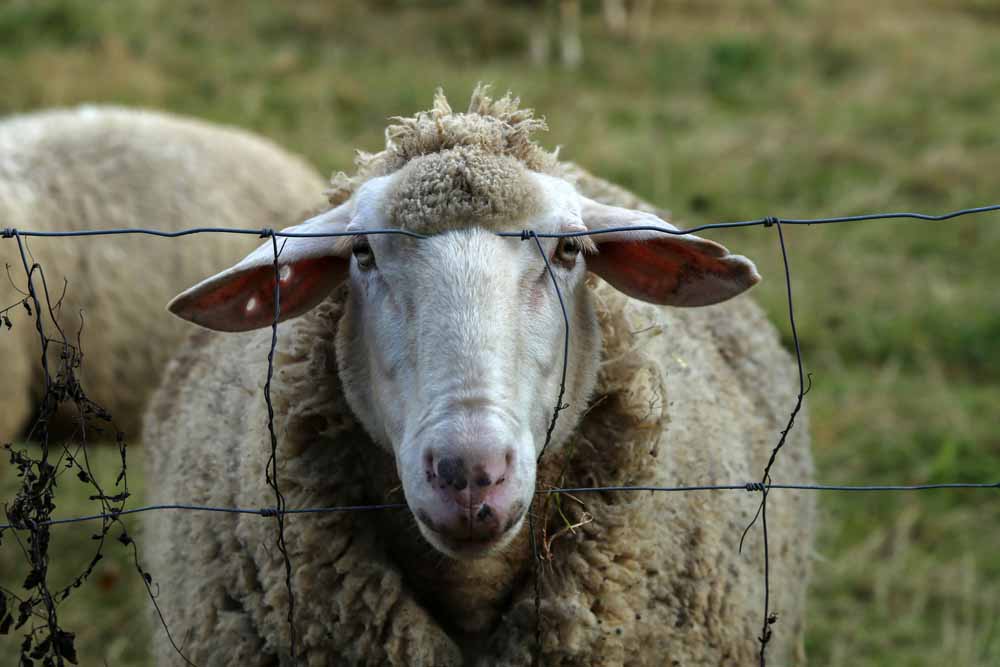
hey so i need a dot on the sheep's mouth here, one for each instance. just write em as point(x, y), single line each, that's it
point(472, 544)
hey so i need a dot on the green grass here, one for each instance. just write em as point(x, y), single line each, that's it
point(728, 110)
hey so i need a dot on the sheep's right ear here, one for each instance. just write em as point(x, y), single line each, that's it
point(670, 270)
point(241, 298)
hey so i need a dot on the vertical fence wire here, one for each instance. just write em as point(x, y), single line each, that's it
point(271, 471)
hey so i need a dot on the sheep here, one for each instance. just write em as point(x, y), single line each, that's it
point(426, 371)
point(96, 167)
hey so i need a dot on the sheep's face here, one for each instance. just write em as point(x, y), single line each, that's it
point(451, 346)
point(451, 354)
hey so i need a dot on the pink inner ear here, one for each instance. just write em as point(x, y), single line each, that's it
point(246, 301)
point(673, 271)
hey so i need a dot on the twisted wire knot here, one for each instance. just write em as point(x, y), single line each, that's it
point(266, 233)
point(755, 486)
point(770, 221)
point(8, 233)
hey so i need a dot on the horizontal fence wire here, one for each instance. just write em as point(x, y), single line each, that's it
point(748, 487)
point(11, 232)
point(112, 514)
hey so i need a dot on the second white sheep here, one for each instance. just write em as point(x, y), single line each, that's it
point(102, 168)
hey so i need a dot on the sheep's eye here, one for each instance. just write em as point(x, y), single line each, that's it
point(362, 251)
point(568, 250)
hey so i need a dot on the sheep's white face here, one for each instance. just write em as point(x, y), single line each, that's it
point(451, 354)
point(451, 347)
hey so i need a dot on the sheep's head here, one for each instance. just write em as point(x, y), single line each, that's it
point(450, 347)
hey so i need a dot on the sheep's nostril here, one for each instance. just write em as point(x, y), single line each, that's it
point(429, 466)
point(484, 513)
point(452, 472)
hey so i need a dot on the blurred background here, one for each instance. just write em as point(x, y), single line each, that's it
point(717, 111)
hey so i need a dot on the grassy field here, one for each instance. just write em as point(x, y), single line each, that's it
point(725, 111)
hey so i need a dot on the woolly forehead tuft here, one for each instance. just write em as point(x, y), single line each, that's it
point(459, 187)
point(496, 127)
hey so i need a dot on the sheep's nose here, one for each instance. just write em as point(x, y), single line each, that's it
point(472, 497)
point(468, 480)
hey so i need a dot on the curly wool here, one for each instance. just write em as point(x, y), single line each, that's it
point(459, 187)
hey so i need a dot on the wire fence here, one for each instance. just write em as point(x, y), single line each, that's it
point(31, 511)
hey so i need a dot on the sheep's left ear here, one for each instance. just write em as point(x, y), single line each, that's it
point(241, 298)
point(667, 269)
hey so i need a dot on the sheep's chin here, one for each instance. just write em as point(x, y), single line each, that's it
point(473, 549)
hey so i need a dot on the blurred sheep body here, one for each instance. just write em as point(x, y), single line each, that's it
point(96, 167)
point(680, 397)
